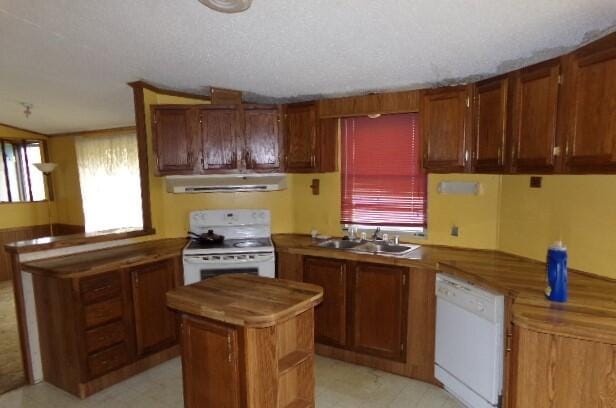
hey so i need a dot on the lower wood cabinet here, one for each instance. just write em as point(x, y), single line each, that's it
point(210, 364)
point(380, 299)
point(364, 306)
point(97, 330)
point(155, 324)
point(331, 314)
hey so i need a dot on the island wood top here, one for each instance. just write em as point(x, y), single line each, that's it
point(245, 300)
point(589, 314)
point(92, 262)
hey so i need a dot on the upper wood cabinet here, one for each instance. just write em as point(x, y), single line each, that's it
point(446, 131)
point(220, 132)
point(534, 114)
point(154, 322)
point(380, 303)
point(262, 138)
point(490, 109)
point(331, 314)
point(173, 135)
point(589, 111)
point(383, 103)
point(310, 142)
point(197, 139)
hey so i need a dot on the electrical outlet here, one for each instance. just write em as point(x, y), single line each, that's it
point(455, 231)
point(535, 181)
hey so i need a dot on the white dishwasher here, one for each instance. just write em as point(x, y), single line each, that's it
point(469, 341)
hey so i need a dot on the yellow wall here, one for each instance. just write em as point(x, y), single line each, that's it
point(580, 210)
point(13, 215)
point(67, 192)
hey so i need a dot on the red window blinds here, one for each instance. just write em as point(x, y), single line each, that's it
point(383, 182)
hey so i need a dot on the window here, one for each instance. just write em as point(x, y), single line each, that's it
point(383, 183)
point(20, 181)
point(110, 181)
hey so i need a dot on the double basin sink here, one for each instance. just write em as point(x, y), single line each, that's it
point(371, 247)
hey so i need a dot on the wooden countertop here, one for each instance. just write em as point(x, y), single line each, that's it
point(93, 262)
point(589, 314)
point(245, 300)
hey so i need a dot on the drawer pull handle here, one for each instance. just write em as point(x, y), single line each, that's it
point(102, 288)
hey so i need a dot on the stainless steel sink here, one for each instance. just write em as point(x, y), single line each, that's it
point(339, 244)
point(368, 246)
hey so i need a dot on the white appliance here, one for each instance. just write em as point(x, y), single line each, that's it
point(228, 183)
point(469, 341)
point(247, 247)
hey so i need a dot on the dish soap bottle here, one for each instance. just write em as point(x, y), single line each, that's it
point(557, 273)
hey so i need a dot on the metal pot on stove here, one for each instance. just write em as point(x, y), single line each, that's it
point(208, 238)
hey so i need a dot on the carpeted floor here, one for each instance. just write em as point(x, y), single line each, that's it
point(11, 372)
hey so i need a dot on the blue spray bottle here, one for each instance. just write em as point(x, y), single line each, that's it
point(557, 273)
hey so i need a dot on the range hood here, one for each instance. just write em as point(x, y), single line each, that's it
point(223, 183)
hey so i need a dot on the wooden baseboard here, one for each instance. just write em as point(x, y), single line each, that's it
point(114, 377)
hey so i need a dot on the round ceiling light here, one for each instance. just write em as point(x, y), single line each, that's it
point(227, 6)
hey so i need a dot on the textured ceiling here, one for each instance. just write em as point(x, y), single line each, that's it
point(73, 58)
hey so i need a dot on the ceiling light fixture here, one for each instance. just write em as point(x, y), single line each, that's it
point(227, 6)
point(27, 108)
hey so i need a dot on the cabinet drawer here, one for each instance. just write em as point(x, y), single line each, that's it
point(105, 336)
point(100, 287)
point(99, 313)
point(107, 360)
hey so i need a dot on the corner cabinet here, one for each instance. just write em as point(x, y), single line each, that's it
point(211, 139)
point(534, 118)
point(310, 142)
point(490, 114)
point(97, 330)
point(445, 122)
point(589, 114)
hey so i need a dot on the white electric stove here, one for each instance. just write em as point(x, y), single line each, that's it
point(247, 247)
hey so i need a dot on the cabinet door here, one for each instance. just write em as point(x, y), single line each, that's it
point(210, 364)
point(534, 117)
point(262, 150)
point(301, 138)
point(590, 101)
point(331, 314)
point(219, 137)
point(155, 325)
point(490, 124)
point(173, 128)
point(380, 303)
point(445, 127)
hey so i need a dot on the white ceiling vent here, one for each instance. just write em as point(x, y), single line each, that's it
point(227, 6)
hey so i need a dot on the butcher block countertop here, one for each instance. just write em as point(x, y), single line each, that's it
point(589, 314)
point(245, 300)
point(103, 260)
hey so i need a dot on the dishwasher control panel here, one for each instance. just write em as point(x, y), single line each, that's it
point(482, 302)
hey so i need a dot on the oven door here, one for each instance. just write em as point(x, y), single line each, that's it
point(200, 267)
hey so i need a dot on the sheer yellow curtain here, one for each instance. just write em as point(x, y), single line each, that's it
point(110, 182)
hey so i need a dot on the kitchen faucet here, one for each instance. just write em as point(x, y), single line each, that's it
point(375, 235)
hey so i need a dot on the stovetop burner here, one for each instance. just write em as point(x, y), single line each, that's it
point(228, 244)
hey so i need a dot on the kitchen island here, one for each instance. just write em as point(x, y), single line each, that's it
point(247, 341)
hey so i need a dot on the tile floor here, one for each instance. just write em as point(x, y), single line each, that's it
point(339, 385)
